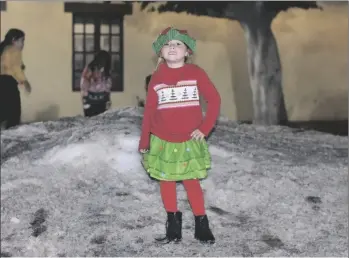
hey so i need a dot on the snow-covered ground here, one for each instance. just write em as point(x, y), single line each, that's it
point(75, 187)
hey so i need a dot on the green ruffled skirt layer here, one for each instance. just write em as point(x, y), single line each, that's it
point(170, 161)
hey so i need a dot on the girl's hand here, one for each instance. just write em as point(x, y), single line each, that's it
point(197, 135)
point(143, 151)
point(26, 86)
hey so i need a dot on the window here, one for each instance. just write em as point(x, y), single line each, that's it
point(98, 26)
point(3, 6)
point(92, 33)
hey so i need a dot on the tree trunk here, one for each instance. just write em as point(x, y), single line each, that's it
point(264, 68)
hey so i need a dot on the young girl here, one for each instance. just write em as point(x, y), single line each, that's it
point(96, 84)
point(11, 76)
point(174, 130)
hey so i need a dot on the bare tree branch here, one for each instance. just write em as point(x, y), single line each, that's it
point(234, 10)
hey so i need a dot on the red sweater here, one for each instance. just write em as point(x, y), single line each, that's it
point(172, 110)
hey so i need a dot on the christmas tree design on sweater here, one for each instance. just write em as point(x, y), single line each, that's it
point(185, 94)
point(195, 95)
point(163, 98)
point(173, 95)
point(170, 96)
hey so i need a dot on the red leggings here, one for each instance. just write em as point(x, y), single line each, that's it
point(195, 196)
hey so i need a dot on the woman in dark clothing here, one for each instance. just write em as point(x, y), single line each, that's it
point(11, 76)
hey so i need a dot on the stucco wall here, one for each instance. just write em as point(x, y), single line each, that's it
point(314, 54)
point(313, 48)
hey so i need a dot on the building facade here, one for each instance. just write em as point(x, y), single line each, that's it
point(62, 37)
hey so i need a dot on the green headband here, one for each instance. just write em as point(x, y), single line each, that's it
point(173, 34)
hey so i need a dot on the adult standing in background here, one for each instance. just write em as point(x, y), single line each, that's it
point(12, 75)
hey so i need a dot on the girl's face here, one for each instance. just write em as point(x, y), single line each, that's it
point(174, 52)
point(98, 72)
point(19, 43)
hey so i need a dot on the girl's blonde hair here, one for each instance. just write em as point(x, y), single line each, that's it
point(160, 60)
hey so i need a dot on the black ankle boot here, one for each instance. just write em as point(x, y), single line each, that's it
point(173, 228)
point(202, 230)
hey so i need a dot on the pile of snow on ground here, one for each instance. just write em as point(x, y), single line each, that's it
point(75, 187)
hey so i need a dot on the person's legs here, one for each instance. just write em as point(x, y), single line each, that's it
point(196, 199)
point(169, 195)
point(12, 113)
point(14, 118)
point(95, 109)
point(195, 196)
point(3, 99)
point(100, 108)
point(87, 112)
point(174, 217)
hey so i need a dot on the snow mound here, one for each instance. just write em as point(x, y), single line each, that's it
point(75, 187)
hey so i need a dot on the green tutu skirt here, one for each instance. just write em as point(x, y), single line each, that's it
point(170, 161)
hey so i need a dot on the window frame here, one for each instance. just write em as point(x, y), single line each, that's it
point(3, 6)
point(105, 8)
point(97, 21)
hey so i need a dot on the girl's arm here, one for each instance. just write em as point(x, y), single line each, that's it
point(211, 95)
point(149, 110)
point(108, 84)
point(85, 82)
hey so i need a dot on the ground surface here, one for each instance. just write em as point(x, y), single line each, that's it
point(75, 187)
